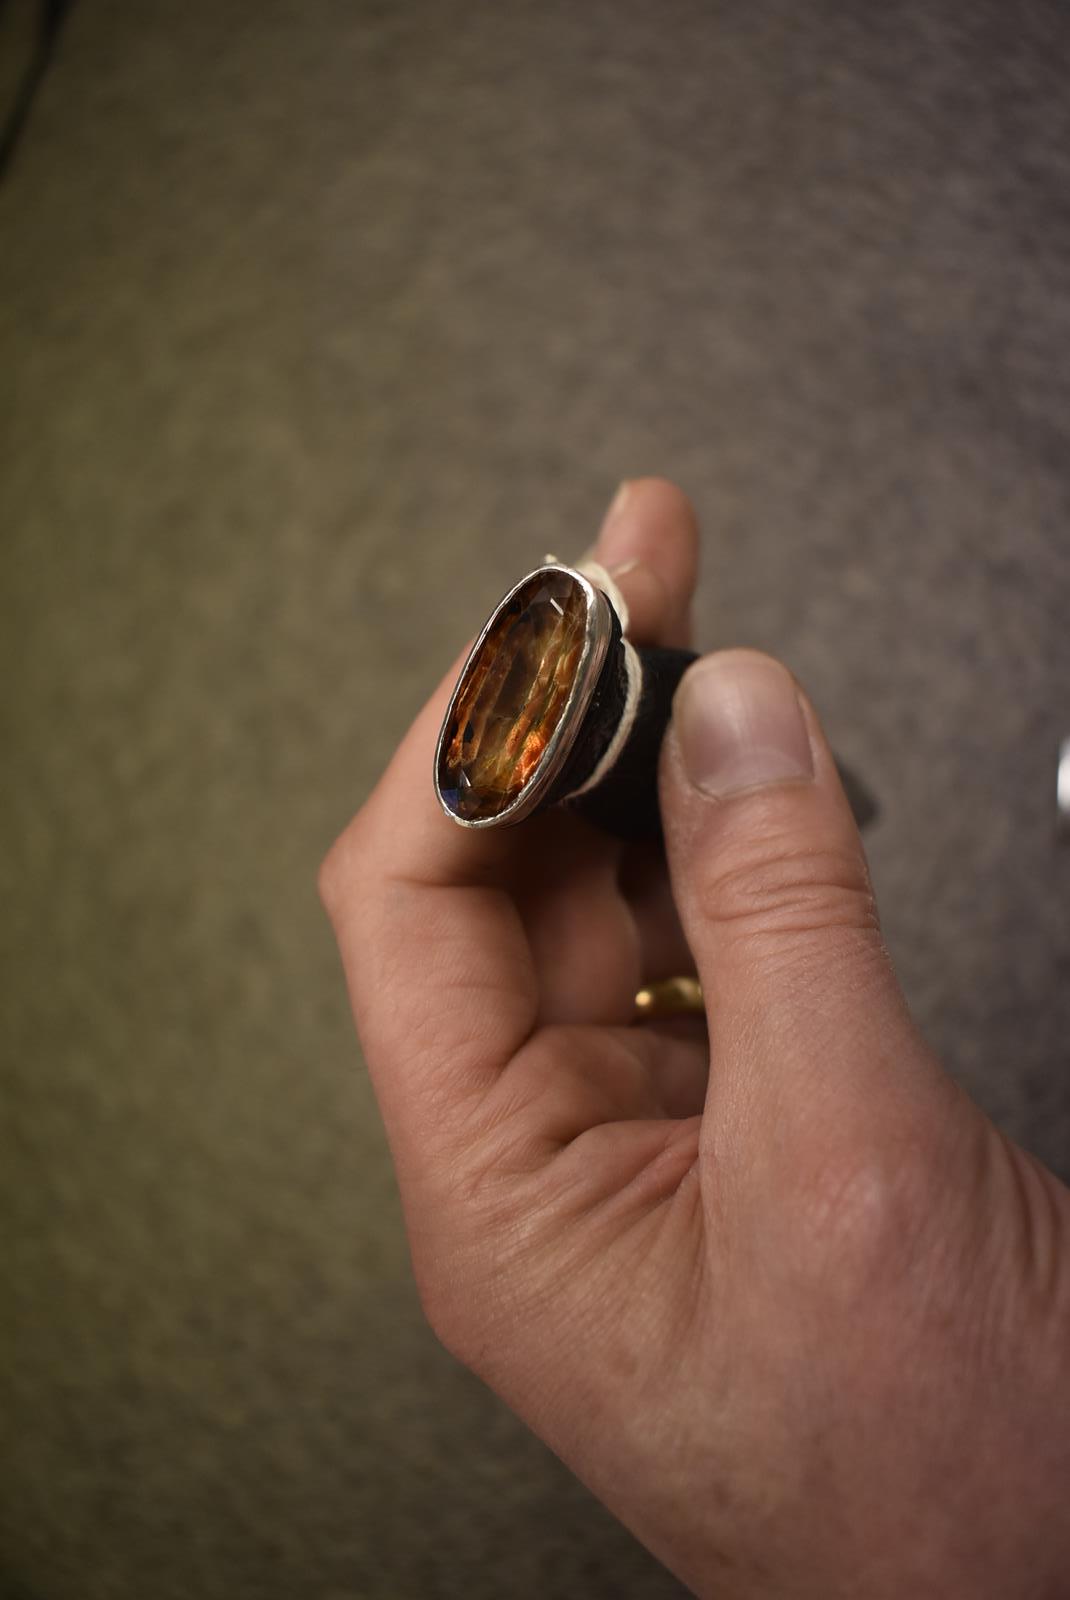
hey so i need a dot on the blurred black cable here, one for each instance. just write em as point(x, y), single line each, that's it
point(51, 17)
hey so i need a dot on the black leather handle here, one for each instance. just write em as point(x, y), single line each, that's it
point(625, 801)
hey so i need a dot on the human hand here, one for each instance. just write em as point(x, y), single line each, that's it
point(783, 1298)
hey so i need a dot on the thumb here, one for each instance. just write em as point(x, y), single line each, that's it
point(774, 896)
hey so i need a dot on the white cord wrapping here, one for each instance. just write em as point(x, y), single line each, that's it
point(633, 668)
point(601, 579)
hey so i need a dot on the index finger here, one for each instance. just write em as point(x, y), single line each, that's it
point(437, 965)
point(440, 971)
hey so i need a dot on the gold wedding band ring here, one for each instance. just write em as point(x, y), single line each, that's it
point(673, 997)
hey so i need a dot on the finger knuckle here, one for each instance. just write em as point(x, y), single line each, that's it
point(858, 1215)
point(341, 865)
point(774, 886)
point(327, 879)
point(466, 1291)
point(446, 1309)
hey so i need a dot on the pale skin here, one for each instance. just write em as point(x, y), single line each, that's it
point(772, 1286)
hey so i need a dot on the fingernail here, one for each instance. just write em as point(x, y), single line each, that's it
point(620, 569)
point(739, 724)
point(616, 569)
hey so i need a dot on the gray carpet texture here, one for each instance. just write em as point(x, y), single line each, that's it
point(319, 324)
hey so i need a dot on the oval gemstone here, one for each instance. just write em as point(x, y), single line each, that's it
point(511, 696)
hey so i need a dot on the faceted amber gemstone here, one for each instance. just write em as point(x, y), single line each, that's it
point(511, 697)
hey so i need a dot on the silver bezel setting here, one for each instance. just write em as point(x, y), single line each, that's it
point(598, 631)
